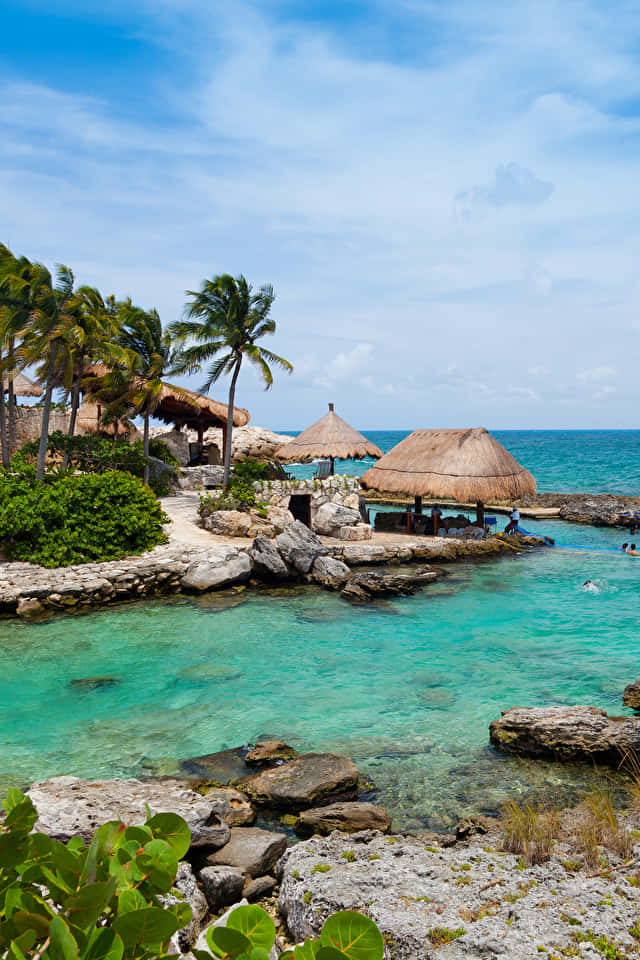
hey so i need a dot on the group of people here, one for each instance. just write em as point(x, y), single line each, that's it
point(630, 549)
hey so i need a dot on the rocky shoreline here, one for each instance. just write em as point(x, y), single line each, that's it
point(296, 555)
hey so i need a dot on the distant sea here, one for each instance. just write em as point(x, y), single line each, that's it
point(562, 461)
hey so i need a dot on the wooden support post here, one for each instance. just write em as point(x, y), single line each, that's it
point(418, 505)
point(333, 466)
point(408, 520)
point(480, 513)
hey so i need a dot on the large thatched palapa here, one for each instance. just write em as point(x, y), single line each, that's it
point(465, 465)
point(330, 438)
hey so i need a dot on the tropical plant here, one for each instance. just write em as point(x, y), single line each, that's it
point(252, 470)
point(77, 519)
point(108, 901)
point(225, 319)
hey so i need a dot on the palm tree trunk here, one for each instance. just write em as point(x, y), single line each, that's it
point(232, 398)
point(145, 447)
point(4, 445)
point(75, 403)
point(46, 413)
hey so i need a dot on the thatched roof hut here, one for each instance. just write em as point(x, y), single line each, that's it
point(183, 407)
point(330, 438)
point(465, 465)
point(89, 420)
point(22, 386)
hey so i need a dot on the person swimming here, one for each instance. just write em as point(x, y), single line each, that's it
point(632, 551)
point(591, 586)
point(624, 546)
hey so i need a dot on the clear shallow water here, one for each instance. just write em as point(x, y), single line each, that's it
point(407, 688)
point(572, 461)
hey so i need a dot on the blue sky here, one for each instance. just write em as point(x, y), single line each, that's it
point(445, 195)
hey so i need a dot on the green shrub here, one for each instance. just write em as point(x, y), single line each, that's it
point(103, 902)
point(78, 519)
point(238, 495)
point(159, 450)
point(252, 470)
point(93, 454)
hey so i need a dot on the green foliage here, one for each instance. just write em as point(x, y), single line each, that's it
point(252, 470)
point(346, 934)
point(78, 519)
point(93, 454)
point(438, 936)
point(159, 450)
point(102, 902)
point(237, 495)
point(602, 944)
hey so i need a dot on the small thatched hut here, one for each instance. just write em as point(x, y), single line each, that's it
point(465, 465)
point(330, 438)
point(22, 386)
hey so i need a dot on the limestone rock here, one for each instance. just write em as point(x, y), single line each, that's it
point(566, 733)
point(367, 586)
point(267, 562)
point(191, 893)
point(631, 695)
point(69, 807)
point(300, 547)
point(268, 751)
point(308, 780)
point(258, 887)
point(29, 607)
point(227, 523)
point(251, 851)
point(346, 817)
point(218, 567)
point(358, 531)
point(178, 444)
point(222, 885)
point(331, 517)
point(279, 518)
point(239, 812)
point(330, 572)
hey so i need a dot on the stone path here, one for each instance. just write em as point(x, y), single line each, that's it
point(185, 528)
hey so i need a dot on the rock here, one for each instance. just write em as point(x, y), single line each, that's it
point(220, 768)
point(267, 562)
point(255, 889)
point(178, 444)
point(494, 906)
point(299, 547)
point(268, 751)
point(209, 476)
point(312, 779)
point(566, 733)
point(29, 607)
point(330, 517)
point(631, 696)
point(346, 817)
point(222, 885)
point(367, 586)
point(359, 531)
point(240, 812)
point(227, 523)
point(278, 518)
point(186, 884)
point(472, 826)
point(93, 683)
point(69, 807)
point(330, 572)
point(218, 567)
point(252, 851)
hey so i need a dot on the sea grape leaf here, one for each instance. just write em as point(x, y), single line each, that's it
point(90, 902)
point(173, 830)
point(354, 934)
point(105, 944)
point(160, 863)
point(149, 927)
point(62, 945)
point(128, 900)
point(227, 942)
point(256, 925)
point(330, 953)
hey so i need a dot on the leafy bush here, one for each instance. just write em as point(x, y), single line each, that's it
point(238, 495)
point(98, 454)
point(78, 519)
point(104, 902)
point(252, 470)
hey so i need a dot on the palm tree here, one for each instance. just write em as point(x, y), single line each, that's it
point(225, 319)
point(134, 384)
point(50, 329)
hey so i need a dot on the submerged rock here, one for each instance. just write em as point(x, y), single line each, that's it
point(308, 780)
point(566, 733)
point(346, 817)
point(93, 683)
point(631, 695)
point(220, 768)
point(69, 807)
point(367, 586)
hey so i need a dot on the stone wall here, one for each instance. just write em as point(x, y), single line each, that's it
point(337, 504)
point(29, 423)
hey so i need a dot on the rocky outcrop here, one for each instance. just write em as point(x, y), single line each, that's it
point(473, 901)
point(631, 695)
point(228, 523)
point(269, 752)
point(364, 587)
point(177, 442)
point(250, 851)
point(267, 522)
point(267, 562)
point(346, 817)
point(312, 779)
point(239, 811)
point(331, 517)
point(566, 733)
point(330, 573)
point(299, 547)
point(219, 567)
point(222, 885)
point(189, 891)
point(70, 807)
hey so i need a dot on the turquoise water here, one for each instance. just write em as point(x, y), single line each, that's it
point(406, 687)
point(572, 461)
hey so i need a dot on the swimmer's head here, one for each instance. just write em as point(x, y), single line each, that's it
point(632, 547)
point(586, 583)
point(624, 546)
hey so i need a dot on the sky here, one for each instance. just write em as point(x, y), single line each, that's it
point(443, 193)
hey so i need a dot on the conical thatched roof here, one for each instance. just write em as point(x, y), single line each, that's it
point(466, 465)
point(330, 437)
point(22, 386)
point(185, 407)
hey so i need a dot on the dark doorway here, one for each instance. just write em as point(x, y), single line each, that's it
point(300, 506)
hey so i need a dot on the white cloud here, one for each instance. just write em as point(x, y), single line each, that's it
point(596, 374)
